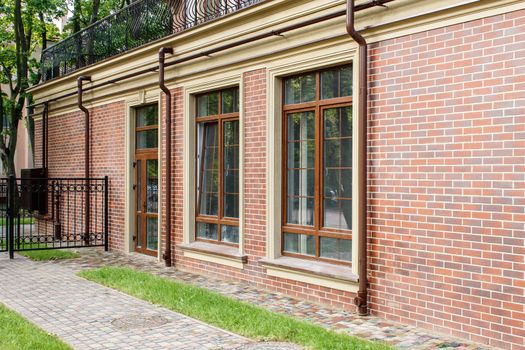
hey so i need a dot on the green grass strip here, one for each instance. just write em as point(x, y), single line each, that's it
point(224, 312)
point(16, 333)
point(51, 254)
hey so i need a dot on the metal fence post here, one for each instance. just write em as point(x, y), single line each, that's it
point(106, 214)
point(11, 216)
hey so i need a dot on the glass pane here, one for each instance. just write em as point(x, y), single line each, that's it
point(301, 154)
point(336, 248)
point(229, 234)
point(299, 89)
point(147, 139)
point(208, 168)
point(207, 231)
point(147, 115)
point(338, 183)
point(208, 104)
point(299, 244)
point(139, 232)
point(300, 211)
point(230, 100)
point(152, 181)
point(301, 126)
point(301, 183)
point(338, 213)
point(338, 153)
point(336, 82)
point(338, 122)
point(139, 185)
point(153, 233)
point(231, 205)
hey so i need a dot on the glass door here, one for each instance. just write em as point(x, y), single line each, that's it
point(146, 181)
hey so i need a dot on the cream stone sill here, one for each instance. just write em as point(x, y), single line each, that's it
point(215, 253)
point(314, 272)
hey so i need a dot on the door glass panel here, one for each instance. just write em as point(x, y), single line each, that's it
point(147, 139)
point(152, 181)
point(139, 185)
point(337, 180)
point(153, 233)
point(299, 244)
point(147, 116)
point(139, 232)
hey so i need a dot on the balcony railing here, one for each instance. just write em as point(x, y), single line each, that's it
point(140, 23)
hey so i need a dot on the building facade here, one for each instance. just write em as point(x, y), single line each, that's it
point(265, 155)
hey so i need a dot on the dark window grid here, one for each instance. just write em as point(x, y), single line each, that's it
point(220, 219)
point(318, 230)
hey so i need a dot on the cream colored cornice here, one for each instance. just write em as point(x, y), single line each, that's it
point(403, 17)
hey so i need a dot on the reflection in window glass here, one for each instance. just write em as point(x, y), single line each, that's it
point(336, 82)
point(147, 139)
point(208, 104)
point(299, 244)
point(230, 101)
point(337, 208)
point(230, 234)
point(207, 231)
point(208, 161)
point(147, 116)
point(335, 248)
point(299, 89)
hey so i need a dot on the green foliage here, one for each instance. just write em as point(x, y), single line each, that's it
point(235, 316)
point(16, 333)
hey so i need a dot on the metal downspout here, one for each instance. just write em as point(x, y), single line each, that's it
point(45, 113)
point(162, 55)
point(87, 201)
point(361, 300)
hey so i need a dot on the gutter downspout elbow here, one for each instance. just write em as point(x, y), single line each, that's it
point(361, 300)
point(87, 202)
point(162, 55)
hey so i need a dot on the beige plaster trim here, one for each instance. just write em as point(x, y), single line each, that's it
point(139, 99)
point(222, 260)
point(189, 195)
point(383, 25)
point(318, 60)
point(317, 280)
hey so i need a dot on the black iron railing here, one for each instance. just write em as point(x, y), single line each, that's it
point(135, 25)
point(50, 213)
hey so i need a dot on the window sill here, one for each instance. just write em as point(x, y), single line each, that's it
point(215, 253)
point(314, 272)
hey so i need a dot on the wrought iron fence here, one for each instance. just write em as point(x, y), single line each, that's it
point(140, 23)
point(53, 213)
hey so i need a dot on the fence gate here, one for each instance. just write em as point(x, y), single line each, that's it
point(53, 213)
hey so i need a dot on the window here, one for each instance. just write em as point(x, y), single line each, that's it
point(146, 125)
point(217, 217)
point(317, 165)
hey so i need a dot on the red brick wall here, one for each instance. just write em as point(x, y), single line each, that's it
point(66, 155)
point(447, 179)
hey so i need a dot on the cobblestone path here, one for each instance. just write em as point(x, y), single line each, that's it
point(89, 316)
point(373, 328)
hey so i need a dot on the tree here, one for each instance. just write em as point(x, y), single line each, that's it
point(23, 27)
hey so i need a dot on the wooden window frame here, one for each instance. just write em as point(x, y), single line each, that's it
point(219, 219)
point(317, 230)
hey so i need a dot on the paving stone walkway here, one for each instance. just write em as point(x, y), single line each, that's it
point(89, 316)
point(373, 328)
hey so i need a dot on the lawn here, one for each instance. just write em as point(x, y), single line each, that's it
point(16, 333)
point(226, 313)
point(51, 254)
point(23, 221)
